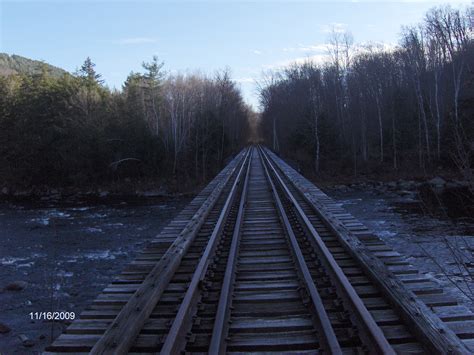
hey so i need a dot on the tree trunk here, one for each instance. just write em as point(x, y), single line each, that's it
point(394, 141)
point(363, 133)
point(316, 136)
point(354, 152)
point(157, 118)
point(457, 89)
point(275, 137)
point(438, 116)
point(421, 109)
point(420, 146)
point(221, 154)
point(379, 115)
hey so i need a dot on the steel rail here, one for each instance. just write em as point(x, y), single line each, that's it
point(119, 336)
point(372, 333)
point(174, 339)
point(329, 338)
point(221, 323)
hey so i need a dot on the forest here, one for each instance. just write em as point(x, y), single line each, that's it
point(367, 111)
point(61, 129)
point(370, 110)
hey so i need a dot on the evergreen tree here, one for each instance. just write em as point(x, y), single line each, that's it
point(88, 72)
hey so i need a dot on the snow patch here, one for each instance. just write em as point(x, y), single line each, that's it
point(11, 260)
point(80, 209)
point(44, 221)
point(114, 225)
point(30, 264)
point(63, 273)
point(58, 214)
point(98, 215)
point(386, 234)
point(93, 230)
point(105, 254)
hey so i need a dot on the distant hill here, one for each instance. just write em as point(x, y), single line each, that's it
point(15, 64)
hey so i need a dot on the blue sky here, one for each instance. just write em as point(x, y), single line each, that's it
point(247, 37)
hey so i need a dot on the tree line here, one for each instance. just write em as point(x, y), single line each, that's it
point(372, 109)
point(73, 130)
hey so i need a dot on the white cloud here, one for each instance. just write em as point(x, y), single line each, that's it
point(366, 47)
point(321, 55)
point(334, 27)
point(257, 52)
point(136, 40)
point(314, 48)
point(316, 59)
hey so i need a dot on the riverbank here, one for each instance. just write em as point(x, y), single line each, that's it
point(438, 245)
point(127, 190)
point(450, 198)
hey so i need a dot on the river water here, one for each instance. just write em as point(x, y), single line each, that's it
point(67, 254)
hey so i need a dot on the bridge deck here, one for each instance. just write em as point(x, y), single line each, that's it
point(263, 261)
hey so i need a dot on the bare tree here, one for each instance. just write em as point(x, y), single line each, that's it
point(414, 98)
point(416, 65)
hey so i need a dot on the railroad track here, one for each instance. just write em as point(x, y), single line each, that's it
point(257, 264)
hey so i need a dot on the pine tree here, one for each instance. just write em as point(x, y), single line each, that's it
point(88, 72)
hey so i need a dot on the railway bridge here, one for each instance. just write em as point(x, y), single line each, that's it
point(263, 261)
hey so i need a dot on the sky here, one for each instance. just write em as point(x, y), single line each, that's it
point(248, 37)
